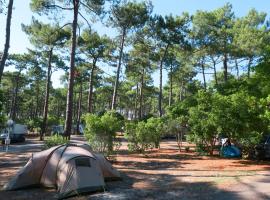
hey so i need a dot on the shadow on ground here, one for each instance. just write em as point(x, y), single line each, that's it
point(162, 186)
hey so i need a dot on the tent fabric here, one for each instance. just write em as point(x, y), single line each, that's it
point(230, 151)
point(30, 174)
point(72, 169)
point(109, 172)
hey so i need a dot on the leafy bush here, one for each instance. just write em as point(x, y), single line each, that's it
point(203, 127)
point(101, 131)
point(144, 135)
point(155, 127)
point(34, 124)
point(53, 120)
point(239, 117)
point(54, 141)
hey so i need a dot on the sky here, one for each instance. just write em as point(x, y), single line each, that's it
point(23, 14)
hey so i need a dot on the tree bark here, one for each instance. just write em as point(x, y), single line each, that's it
point(13, 109)
point(225, 66)
point(7, 42)
point(136, 101)
point(47, 94)
point(171, 85)
point(160, 81)
point(215, 70)
point(237, 68)
point(75, 110)
point(203, 72)
point(249, 66)
point(181, 91)
point(37, 100)
point(118, 70)
point(90, 93)
point(69, 106)
point(79, 109)
point(141, 95)
point(58, 109)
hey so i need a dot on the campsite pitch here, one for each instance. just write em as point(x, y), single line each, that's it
point(160, 174)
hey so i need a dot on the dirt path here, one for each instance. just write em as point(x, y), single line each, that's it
point(168, 174)
point(162, 174)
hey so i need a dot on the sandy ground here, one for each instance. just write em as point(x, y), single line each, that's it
point(160, 174)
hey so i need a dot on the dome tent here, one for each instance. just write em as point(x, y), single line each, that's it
point(72, 169)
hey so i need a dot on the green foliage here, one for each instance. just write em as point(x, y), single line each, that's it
point(235, 104)
point(54, 141)
point(53, 120)
point(3, 118)
point(34, 124)
point(47, 6)
point(101, 131)
point(203, 128)
point(45, 36)
point(128, 15)
point(237, 116)
point(144, 135)
point(172, 126)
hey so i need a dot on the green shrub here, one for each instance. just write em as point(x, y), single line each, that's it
point(239, 117)
point(101, 131)
point(248, 144)
point(54, 141)
point(130, 135)
point(34, 124)
point(144, 135)
point(53, 120)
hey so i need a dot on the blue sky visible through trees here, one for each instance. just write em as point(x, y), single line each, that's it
point(23, 14)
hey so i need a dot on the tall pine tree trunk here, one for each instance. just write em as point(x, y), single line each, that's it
point(115, 89)
point(37, 100)
point(79, 109)
point(215, 70)
point(249, 66)
point(7, 42)
point(74, 112)
point(58, 109)
point(171, 86)
point(237, 68)
point(203, 72)
point(136, 101)
point(181, 90)
point(15, 97)
point(90, 93)
point(160, 81)
point(141, 95)
point(47, 94)
point(69, 106)
point(225, 66)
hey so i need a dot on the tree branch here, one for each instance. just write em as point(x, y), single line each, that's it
point(85, 20)
point(64, 26)
point(85, 5)
point(57, 6)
